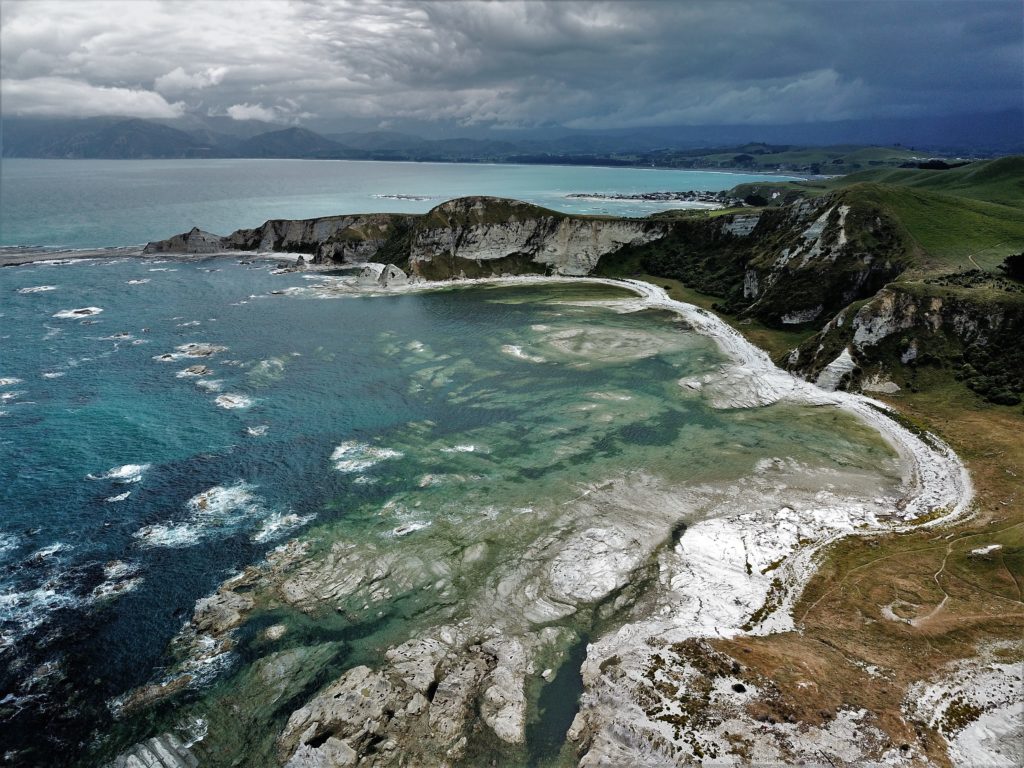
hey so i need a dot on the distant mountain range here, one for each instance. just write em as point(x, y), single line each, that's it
point(682, 146)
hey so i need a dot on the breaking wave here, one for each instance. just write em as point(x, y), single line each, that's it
point(129, 473)
point(353, 456)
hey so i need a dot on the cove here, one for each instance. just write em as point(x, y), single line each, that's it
point(450, 484)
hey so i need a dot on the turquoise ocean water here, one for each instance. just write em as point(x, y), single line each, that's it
point(131, 486)
point(101, 203)
point(128, 490)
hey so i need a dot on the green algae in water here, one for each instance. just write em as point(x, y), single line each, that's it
point(445, 432)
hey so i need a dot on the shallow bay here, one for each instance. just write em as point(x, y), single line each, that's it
point(152, 449)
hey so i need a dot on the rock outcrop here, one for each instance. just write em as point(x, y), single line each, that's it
point(788, 265)
point(382, 275)
point(194, 241)
point(164, 751)
point(472, 237)
point(469, 235)
point(432, 694)
point(906, 328)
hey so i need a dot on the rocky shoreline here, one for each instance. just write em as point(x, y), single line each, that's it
point(640, 560)
point(703, 198)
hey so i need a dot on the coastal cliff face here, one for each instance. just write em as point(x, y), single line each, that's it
point(790, 265)
point(910, 329)
point(480, 236)
point(829, 260)
point(334, 238)
point(474, 237)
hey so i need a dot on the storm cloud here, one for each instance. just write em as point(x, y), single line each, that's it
point(511, 65)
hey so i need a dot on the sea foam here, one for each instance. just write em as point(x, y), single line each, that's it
point(129, 473)
point(406, 528)
point(74, 314)
point(217, 509)
point(462, 448)
point(233, 400)
point(353, 456)
point(277, 525)
point(517, 352)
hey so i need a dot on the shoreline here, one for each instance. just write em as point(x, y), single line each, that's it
point(941, 477)
point(934, 478)
point(741, 575)
point(721, 572)
point(789, 175)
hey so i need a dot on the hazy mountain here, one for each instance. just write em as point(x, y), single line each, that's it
point(379, 140)
point(35, 137)
point(198, 136)
point(98, 138)
point(293, 142)
point(223, 125)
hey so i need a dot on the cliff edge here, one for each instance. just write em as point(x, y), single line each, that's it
point(471, 236)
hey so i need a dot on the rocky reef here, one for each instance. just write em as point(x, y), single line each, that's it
point(641, 570)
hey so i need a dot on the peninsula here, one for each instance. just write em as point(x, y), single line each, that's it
point(849, 288)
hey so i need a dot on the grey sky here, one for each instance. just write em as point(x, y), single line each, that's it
point(521, 64)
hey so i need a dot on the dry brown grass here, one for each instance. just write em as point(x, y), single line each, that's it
point(950, 601)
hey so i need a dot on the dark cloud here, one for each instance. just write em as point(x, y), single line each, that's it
point(592, 65)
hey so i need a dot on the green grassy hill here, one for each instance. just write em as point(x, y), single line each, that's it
point(951, 232)
point(834, 159)
point(470, 211)
point(970, 217)
point(995, 181)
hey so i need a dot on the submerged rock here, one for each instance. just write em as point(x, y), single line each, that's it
point(221, 612)
point(164, 751)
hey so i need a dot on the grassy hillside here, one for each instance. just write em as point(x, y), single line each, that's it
point(470, 211)
point(995, 181)
point(951, 231)
point(998, 181)
point(835, 159)
point(970, 217)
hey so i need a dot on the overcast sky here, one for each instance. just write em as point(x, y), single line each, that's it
point(511, 65)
